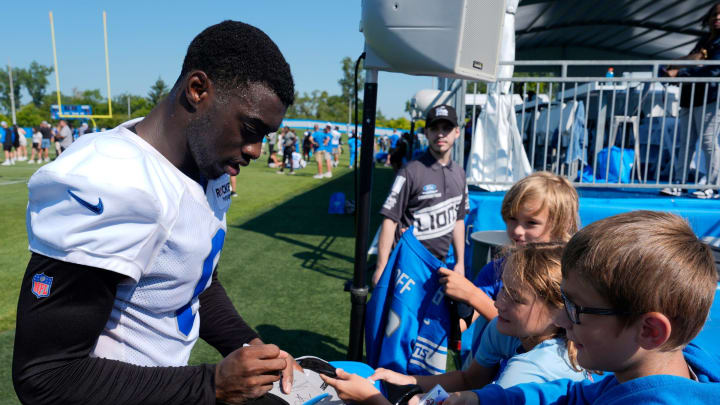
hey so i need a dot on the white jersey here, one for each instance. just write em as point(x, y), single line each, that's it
point(335, 140)
point(113, 202)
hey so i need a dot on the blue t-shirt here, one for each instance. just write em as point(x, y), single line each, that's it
point(547, 361)
point(394, 140)
point(607, 390)
point(319, 138)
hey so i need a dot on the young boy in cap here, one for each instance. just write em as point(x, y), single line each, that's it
point(638, 288)
point(430, 194)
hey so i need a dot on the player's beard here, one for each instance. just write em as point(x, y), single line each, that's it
point(199, 135)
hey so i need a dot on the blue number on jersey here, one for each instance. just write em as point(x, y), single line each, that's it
point(185, 317)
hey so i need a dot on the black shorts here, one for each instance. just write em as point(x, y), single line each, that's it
point(7, 146)
point(36, 145)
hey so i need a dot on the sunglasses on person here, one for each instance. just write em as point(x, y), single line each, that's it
point(573, 310)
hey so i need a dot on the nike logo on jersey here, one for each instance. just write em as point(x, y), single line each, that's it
point(95, 208)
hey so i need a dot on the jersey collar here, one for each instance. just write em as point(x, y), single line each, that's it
point(429, 160)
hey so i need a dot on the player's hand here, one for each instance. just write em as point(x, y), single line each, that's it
point(462, 398)
point(393, 377)
point(352, 387)
point(456, 286)
point(249, 372)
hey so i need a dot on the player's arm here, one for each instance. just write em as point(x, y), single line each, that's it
point(385, 242)
point(56, 334)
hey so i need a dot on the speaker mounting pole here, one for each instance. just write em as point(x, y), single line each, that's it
point(359, 290)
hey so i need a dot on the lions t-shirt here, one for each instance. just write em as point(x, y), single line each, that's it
point(432, 198)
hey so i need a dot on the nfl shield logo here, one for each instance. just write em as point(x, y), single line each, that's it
point(41, 285)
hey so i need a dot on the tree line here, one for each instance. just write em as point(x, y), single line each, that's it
point(317, 105)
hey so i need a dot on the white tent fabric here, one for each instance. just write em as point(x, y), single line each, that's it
point(497, 153)
point(507, 47)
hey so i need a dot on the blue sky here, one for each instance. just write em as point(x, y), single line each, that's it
point(147, 39)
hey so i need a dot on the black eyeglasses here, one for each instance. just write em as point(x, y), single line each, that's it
point(573, 310)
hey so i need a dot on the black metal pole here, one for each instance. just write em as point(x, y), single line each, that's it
point(359, 290)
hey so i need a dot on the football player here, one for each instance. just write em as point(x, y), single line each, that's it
point(126, 228)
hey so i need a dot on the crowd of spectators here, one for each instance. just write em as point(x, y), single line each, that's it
point(43, 137)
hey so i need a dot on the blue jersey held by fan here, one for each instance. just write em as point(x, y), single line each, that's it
point(407, 318)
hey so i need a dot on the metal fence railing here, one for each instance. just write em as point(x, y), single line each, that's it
point(635, 131)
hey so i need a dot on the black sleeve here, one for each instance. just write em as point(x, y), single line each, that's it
point(55, 334)
point(220, 324)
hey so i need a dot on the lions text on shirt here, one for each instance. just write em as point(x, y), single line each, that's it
point(431, 197)
point(113, 202)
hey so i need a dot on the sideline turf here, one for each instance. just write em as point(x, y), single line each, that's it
point(284, 262)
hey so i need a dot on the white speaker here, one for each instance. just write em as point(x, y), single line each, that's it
point(449, 38)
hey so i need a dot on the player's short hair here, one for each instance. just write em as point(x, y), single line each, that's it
point(551, 191)
point(235, 54)
point(646, 261)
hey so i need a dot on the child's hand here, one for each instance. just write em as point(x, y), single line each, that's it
point(352, 387)
point(462, 398)
point(456, 286)
point(393, 377)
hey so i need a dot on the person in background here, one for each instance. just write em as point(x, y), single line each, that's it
point(321, 140)
point(307, 145)
point(21, 148)
point(289, 142)
point(335, 145)
point(706, 119)
point(354, 145)
point(430, 194)
point(83, 129)
point(391, 143)
point(47, 136)
point(37, 137)
point(272, 143)
point(7, 140)
point(63, 137)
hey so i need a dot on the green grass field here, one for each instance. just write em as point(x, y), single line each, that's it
point(284, 262)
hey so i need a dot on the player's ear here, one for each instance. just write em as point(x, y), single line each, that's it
point(198, 88)
point(655, 330)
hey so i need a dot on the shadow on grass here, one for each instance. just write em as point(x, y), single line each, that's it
point(303, 219)
point(325, 347)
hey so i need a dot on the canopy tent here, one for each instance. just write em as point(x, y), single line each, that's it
point(587, 30)
point(608, 29)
